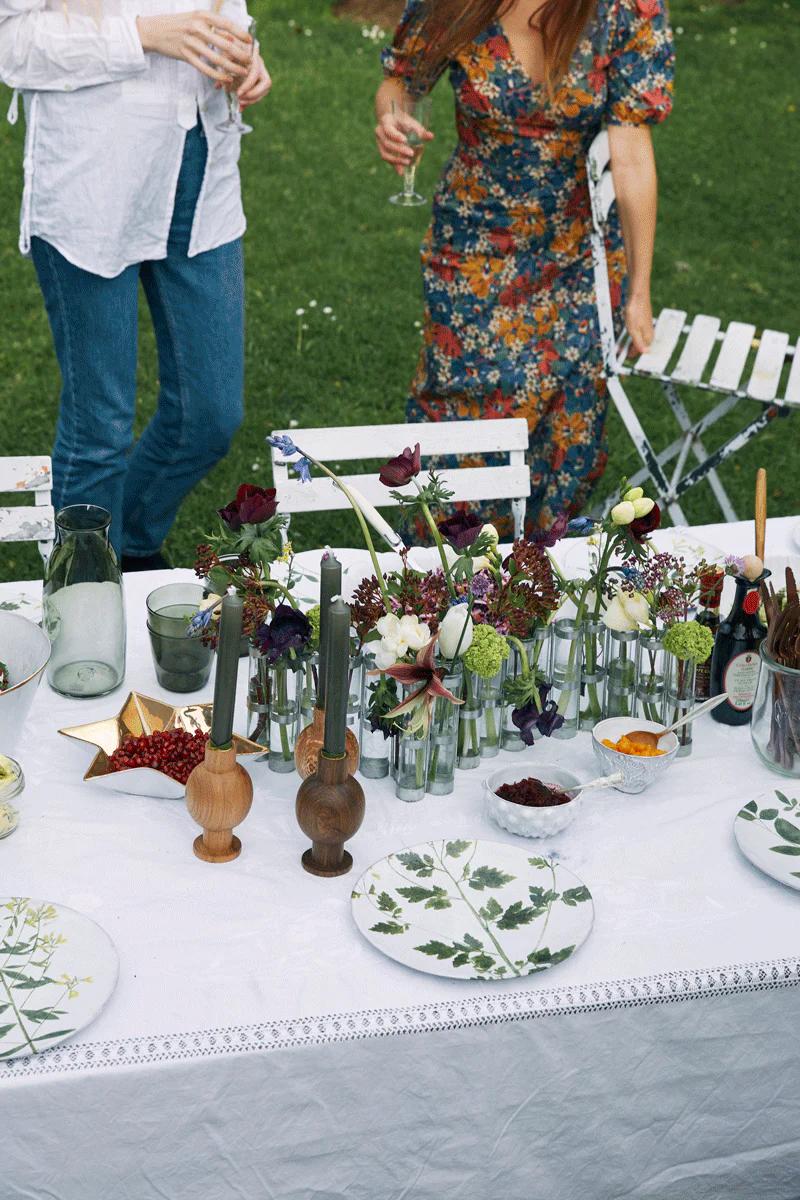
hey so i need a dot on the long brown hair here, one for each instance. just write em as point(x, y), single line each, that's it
point(442, 28)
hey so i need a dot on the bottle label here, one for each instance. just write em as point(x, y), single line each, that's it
point(740, 680)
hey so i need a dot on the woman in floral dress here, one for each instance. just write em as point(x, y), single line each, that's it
point(510, 325)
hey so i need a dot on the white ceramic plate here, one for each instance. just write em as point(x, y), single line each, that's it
point(572, 554)
point(472, 909)
point(767, 832)
point(58, 969)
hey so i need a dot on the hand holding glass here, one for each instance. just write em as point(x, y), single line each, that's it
point(234, 123)
point(419, 112)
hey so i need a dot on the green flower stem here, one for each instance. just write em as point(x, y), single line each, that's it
point(491, 725)
point(387, 604)
point(483, 924)
point(419, 767)
point(17, 1013)
point(523, 657)
point(283, 704)
point(468, 728)
point(437, 537)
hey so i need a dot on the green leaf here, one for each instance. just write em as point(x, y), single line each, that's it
point(42, 1037)
point(788, 831)
point(29, 984)
point(541, 897)
point(768, 814)
point(490, 877)
point(785, 801)
point(4, 1029)
point(439, 901)
point(746, 816)
point(472, 942)
point(388, 927)
point(437, 949)
point(573, 896)
point(43, 1014)
point(423, 867)
point(491, 910)
point(540, 957)
point(785, 849)
point(539, 863)
point(516, 915)
point(457, 848)
point(13, 1050)
point(560, 955)
point(417, 894)
point(482, 962)
point(460, 959)
point(386, 903)
point(19, 948)
point(751, 807)
point(3, 1007)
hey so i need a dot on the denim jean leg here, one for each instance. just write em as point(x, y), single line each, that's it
point(197, 306)
point(94, 326)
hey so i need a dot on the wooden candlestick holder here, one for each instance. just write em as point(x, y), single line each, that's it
point(330, 809)
point(219, 793)
point(311, 741)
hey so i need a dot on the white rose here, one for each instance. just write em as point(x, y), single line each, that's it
point(627, 611)
point(414, 633)
point(643, 506)
point(388, 626)
point(623, 513)
point(633, 494)
point(385, 655)
point(457, 621)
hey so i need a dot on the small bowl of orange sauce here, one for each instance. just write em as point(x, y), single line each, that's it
point(614, 752)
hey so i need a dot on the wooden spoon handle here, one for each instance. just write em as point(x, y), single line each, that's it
point(761, 511)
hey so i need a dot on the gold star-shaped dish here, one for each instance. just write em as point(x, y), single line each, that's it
point(139, 715)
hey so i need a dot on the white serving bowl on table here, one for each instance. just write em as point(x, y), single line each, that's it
point(25, 649)
point(519, 818)
point(637, 772)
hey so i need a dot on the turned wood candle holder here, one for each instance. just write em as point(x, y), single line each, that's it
point(219, 793)
point(311, 741)
point(330, 809)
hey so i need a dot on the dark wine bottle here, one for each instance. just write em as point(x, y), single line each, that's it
point(735, 660)
point(710, 598)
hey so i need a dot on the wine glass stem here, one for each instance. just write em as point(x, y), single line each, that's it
point(409, 177)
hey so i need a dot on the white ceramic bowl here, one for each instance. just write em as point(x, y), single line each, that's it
point(25, 648)
point(531, 822)
point(637, 773)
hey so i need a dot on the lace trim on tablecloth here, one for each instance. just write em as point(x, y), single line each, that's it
point(425, 1018)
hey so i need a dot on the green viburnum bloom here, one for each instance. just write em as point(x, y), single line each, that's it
point(313, 616)
point(488, 652)
point(689, 640)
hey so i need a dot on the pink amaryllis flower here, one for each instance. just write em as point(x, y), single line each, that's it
point(420, 703)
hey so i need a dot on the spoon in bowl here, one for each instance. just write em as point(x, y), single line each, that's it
point(601, 781)
point(645, 737)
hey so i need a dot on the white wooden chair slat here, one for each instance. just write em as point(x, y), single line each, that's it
point(467, 484)
point(792, 393)
point(763, 383)
point(732, 357)
point(669, 327)
point(599, 155)
point(349, 442)
point(27, 473)
point(27, 523)
point(697, 349)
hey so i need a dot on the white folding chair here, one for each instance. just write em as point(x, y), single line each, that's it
point(28, 523)
point(682, 355)
point(349, 443)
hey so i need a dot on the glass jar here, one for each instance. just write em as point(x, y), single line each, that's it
point(651, 669)
point(443, 735)
point(593, 644)
point(775, 724)
point(84, 605)
point(680, 699)
point(537, 654)
point(566, 674)
point(469, 723)
point(375, 746)
point(619, 692)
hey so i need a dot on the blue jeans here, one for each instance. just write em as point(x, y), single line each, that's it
point(197, 307)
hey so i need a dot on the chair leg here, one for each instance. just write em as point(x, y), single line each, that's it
point(645, 451)
point(698, 449)
point(731, 447)
point(518, 511)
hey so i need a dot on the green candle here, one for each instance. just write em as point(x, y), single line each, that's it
point(337, 674)
point(330, 585)
point(230, 636)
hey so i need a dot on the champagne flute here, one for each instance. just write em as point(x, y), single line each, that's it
point(420, 110)
point(233, 122)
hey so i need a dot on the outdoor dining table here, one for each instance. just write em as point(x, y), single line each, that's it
point(257, 1046)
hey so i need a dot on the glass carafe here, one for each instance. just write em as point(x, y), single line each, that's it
point(84, 607)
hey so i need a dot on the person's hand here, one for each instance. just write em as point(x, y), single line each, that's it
point(391, 136)
point(639, 322)
point(255, 84)
point(212, 43)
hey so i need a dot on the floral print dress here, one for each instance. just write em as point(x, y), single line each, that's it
point(511, 327)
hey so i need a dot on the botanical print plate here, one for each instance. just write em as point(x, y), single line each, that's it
point(57, 970)
point(769, 835)
point(472, 910)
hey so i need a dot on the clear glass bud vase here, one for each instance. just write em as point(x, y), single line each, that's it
point(375, 746)
point(258, 699)
point(619, 692)
point(593, 646)
point(651, 668)
point(491, 720)
point(566, 674)
point(680, 699)
point(537, 654)
point(469, 723)
point(285, 691)
point(409, 756)
point(775, 723)
point(443, 735)
point(84, 605)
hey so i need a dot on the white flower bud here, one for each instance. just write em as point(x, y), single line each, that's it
point(633, 494)
point(457, 622)
point(643, 506)
point(623, 513)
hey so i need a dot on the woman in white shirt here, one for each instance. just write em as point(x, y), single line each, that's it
point(128, 178)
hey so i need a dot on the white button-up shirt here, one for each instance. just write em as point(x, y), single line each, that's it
point(105, 127)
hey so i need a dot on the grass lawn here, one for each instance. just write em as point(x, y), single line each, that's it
point(321, 229)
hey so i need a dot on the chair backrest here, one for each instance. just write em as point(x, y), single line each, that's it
point(506, 436)
point(23, 522)
point(603, 198)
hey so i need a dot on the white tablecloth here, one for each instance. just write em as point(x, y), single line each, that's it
point(257, 1047)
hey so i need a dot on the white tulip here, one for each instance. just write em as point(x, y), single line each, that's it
point(627, 611)
point(634, 494)
point(455, 631)
point(643, 506)
point(623, 513)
